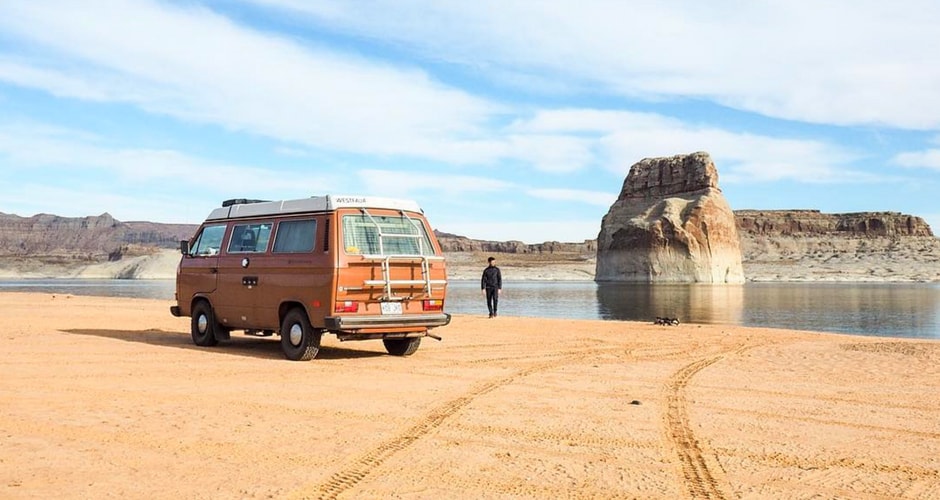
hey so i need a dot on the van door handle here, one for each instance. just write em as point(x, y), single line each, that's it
point(213, 270)
point(250, 281)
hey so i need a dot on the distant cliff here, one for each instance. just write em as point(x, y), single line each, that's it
point(454, 243)
point(548, 261)
point(797, 223)
point(27, 244)
point(90, 238)
point(807, 245)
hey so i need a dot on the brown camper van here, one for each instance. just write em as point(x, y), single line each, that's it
point(359, 267)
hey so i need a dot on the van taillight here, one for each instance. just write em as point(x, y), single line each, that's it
point(432, 305)
point(348, 306)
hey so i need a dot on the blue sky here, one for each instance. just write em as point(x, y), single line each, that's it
point(504, 120)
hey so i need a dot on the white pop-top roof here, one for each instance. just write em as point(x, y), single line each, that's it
point(312, 204)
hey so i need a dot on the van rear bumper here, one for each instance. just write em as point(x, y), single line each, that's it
point(405, 320)
point(175, 311)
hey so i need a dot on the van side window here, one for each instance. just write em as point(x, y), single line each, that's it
point(248, 238)
point(295, 236)
point(209, 241)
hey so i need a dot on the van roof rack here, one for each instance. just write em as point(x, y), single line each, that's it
point(240, 201)
point(239, 208)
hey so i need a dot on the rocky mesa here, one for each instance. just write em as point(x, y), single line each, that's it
point(670, 224)
point(803, 223)
point(807, 245)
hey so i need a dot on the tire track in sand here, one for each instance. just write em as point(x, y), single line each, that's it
point(358, 470)
point(347, 478)
point(699, 479)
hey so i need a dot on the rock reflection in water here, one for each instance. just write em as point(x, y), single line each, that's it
point(689, 303)
point(895, 309)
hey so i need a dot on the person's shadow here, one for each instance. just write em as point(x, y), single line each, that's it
point(255, 347)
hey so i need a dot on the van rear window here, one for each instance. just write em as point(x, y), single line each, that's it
point(295, 236)
point(250, 238)
point(399, 235)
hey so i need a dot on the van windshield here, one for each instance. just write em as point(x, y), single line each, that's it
point(209, 241)
point(385, 235)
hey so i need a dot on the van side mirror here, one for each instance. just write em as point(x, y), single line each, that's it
point(184, 247)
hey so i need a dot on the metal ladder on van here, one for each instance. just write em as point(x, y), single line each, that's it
point(386, 261)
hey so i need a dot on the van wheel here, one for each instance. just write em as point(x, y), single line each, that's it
point(204, 325)
point(299, 340)
point(402, 347)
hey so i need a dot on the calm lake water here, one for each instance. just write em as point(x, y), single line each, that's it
point(896, 310)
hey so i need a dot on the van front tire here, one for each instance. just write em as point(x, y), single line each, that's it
point(203, 325)
point(402, 347)
point(299, 340)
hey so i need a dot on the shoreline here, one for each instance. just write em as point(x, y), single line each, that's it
point(525, 276)
point(116, 400)
point(875, 310)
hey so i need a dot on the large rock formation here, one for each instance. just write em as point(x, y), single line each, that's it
point(670, 224)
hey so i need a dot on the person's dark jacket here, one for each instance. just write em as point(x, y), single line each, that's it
point(492, 278)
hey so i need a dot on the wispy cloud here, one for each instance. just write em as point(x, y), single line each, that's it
point(92, 87)
point(620, 139)
point(216, 71)
point(409, 183)
point(192, 63)
point(80, 198)
point(68, 172)
point(831, 63)
point(929, 158)
point(39, 146)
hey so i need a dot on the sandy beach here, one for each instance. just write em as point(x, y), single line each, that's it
point(109, 398)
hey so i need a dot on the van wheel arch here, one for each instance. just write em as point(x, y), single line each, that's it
point(286, 307)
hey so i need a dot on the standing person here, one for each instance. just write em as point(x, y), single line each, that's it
point(491, 284)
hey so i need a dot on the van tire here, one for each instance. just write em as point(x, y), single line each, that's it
point(402, 347)
point(203, 325)
point(299, 340)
